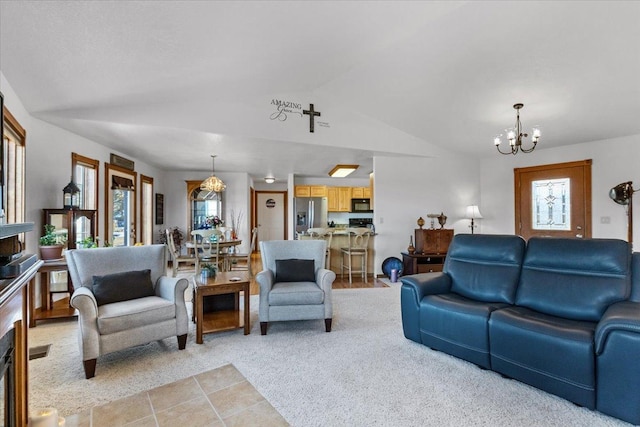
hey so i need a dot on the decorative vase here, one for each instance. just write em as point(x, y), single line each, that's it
point(411, 249)
point(442, 219)
point(420, 222)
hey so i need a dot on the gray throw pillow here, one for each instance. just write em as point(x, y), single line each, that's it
point(122, 286)
point(295, 270)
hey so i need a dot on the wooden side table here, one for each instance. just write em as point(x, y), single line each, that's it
point(421, 263)
point(222, 320)
point(48, 310)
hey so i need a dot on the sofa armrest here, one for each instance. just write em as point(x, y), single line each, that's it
point(85, 302)
point(617, 343)
point(173, 289)
point(265, 280)
point(324, 279)
point(414, 288)
point(622, 316)
point(419, 285)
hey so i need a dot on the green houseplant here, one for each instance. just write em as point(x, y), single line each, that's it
point(210, 268)
point(51, 243)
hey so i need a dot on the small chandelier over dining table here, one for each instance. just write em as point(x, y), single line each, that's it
point(213, 183)
point(515, 135)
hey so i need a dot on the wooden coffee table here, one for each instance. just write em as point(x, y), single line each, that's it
point(228, 318)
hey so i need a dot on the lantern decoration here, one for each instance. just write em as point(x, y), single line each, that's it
point(71, 195)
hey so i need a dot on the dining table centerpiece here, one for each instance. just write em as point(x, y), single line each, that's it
point(214, 221)
point(235, 223)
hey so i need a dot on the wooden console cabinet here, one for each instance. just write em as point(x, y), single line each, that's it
point(431, 250)
point(79, 223)
point(419, 263)
point(433, 241)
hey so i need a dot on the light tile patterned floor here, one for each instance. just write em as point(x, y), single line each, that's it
point(218, 398)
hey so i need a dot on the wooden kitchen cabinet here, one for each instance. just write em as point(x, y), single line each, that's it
point(318, 190)
point(433, 241)
point(344, 199)
point(302, 191)
point(360, 193)
point(332, 199)
point(310, 191)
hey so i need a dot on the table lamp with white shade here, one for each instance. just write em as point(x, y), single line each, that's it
point(473, 213)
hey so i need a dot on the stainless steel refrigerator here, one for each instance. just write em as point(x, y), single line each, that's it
point(310, 212)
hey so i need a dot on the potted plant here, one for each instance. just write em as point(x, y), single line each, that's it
point(51, 244)
point(209, 268)
point(87, 243)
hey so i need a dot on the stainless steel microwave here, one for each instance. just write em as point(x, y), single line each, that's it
point(361, 205)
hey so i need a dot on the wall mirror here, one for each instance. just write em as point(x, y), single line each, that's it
point(202, 204)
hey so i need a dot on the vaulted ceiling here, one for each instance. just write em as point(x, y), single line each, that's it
point(172, 82)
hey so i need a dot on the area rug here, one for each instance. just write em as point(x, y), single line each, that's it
point(363, 373)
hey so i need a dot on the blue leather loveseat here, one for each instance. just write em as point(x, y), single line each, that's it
point(559, 314)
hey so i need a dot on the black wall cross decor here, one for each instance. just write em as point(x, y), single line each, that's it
point(311, 114)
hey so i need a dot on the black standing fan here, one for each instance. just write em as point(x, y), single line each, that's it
point(622, 194)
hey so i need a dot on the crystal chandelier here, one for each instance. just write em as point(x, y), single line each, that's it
point(213, 183)
point(515, 135)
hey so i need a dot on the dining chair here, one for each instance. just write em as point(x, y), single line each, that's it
point(176, 256)
point(358, 239)
point(207, 247)
point(235, 257)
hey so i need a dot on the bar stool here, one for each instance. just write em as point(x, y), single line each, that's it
point(358, 247)
point(325, 234)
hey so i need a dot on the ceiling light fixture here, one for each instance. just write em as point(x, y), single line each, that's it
point(515, 135)
point(340, 171)
point(269, 180)
point(213, 183)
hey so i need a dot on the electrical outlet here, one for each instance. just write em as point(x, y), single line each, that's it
point(605, 220)
point(381, 220)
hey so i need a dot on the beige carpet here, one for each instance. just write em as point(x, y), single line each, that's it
point(363, 373)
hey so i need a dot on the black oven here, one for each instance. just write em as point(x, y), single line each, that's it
point(361, 205)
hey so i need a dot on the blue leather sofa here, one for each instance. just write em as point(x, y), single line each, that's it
point(562, 315)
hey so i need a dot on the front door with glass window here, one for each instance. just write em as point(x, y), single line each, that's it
point(554, 200)
point(120, 194)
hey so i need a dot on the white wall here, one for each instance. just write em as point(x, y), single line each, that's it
point(408, 188)
point(614, 161)
point(48, 164)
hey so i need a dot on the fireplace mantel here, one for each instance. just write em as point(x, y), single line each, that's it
point(14, 317)
point(8, 230)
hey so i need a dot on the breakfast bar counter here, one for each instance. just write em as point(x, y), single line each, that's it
point(340, 240)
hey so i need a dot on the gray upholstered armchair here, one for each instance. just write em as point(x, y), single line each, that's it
point(294, 285)
point(124, 299)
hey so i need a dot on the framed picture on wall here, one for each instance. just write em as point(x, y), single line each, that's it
point(159, 208)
